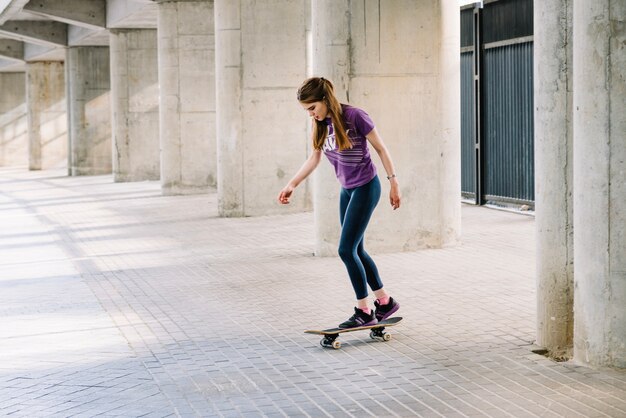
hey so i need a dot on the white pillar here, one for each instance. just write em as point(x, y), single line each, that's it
point(13, 120)
point(262, 141)
point(554, 175)
point(399, 61)
point(89, 110)
point(600, 182)
point(47, 115)
point(331, 59)
point(187, 96)
point(135, 104)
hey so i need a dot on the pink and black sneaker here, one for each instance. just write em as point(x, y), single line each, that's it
point(385, 311)
point(359, 319)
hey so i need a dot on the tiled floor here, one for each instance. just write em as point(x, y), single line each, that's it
point(117, 301)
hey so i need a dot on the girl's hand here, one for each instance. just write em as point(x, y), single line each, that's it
point(285, 194)
point(394, 196)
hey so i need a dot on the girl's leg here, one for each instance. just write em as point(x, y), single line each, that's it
point(381, 294)
point(371, 271)
point(362, 304)
point(356, 208)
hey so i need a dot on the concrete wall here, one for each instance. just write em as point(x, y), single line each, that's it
point(186, 63)
point(13, 120)
point(599, 186)
point(400, 62)
point(135, 104)
point(554, 175)
point(261, 61)
point(89, 110)
point(47, 115)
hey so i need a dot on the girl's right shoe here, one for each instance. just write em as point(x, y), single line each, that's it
point(359, 319)
point(385, 311)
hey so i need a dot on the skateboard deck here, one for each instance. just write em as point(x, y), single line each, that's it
point(377, 332)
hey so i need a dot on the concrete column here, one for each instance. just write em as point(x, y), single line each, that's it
point(553, 176)
point(262, 141)
point(187, 96)
point(47, 115)
point(89, 110)
point(331, 59)
point(600, 182)
point(400, 62)
point(135, 104)
point(13, 120)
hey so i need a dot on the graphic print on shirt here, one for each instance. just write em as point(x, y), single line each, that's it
point(349, 157)
point(330, 144)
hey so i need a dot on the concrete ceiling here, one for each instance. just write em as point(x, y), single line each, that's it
point(41, 30)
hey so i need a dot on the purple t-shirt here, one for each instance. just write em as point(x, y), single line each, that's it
point(353, 166)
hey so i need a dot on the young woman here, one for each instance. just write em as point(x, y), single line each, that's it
point(341, 132)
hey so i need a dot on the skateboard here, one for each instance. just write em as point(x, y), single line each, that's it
point(377, 332)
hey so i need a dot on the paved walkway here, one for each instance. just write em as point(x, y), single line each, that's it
point(117, 301)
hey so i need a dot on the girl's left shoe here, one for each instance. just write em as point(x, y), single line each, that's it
point(359, 319)
point(385, 311)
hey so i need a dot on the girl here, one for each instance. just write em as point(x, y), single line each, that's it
point(340, 131)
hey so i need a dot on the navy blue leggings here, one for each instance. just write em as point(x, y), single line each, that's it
point(355, 210)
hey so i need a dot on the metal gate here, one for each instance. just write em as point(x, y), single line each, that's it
point(497, 159)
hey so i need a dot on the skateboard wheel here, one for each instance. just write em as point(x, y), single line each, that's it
point(330, 343)
point(379, 335)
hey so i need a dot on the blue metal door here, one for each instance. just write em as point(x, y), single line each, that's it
point(497, 102)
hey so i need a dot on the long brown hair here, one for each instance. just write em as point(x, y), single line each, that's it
point(318, 89)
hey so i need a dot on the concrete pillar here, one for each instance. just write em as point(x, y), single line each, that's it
point(135, 104)
point(400, 62)
point(89, 110)
point(187, 96)
point(13, 120)
point(47, 115)
point(600, 182)
point(554, 175)
point(260, 62)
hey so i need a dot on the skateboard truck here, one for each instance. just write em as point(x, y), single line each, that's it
point(330, 341)
point(380, 334)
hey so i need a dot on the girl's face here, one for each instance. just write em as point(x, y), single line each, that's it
point(316, 110)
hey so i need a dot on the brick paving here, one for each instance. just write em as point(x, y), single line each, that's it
point(117, 301)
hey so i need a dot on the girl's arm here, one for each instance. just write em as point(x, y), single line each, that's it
point(385, 157)
point(307, 168)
